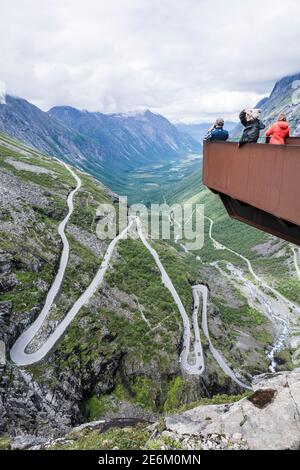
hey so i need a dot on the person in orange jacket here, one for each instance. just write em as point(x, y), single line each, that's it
point(279, 131)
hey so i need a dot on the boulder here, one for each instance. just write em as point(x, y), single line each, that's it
point(34, 265)
point(5, 263)
point(269, 419)
point(7, 283)
point(5, 308)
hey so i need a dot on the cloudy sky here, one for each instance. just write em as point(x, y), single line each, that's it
point(187, 59)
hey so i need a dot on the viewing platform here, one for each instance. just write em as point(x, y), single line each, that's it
point(259, 184)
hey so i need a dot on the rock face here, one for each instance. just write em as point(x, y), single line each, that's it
point(285, 97)
point(267, 420)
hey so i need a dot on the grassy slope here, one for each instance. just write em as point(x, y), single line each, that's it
point(277, 269)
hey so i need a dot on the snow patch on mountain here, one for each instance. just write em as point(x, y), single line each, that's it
point(2, 92)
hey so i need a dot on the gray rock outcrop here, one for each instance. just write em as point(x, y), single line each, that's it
point(267, 420)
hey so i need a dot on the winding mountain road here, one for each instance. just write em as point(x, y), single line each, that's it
point(219, 246)
point(198, 367)
point(18, 351)
point(280, 319)
point(296, 252)
point(193, 366)
point(201, 290)
point(259, 300)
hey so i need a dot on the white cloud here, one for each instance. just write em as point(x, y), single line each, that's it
point(189, 60)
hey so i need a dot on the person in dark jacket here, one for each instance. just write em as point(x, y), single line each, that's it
point(217, 132)
point(253, 125)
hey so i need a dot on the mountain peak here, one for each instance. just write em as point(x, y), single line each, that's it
point(262, 102)
point(64, 109)
point(135, 113)
point(284, 83)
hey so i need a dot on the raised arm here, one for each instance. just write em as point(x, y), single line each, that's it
point(243, 117)
point(208, 135)
point(270, 131)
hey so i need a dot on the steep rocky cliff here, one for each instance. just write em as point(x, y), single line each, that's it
point(268, 419)
point(285, 97)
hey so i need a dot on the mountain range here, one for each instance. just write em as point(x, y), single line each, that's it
point(110, 146)
point(107, 146)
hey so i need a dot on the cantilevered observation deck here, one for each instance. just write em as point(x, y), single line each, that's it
point(259, 184)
